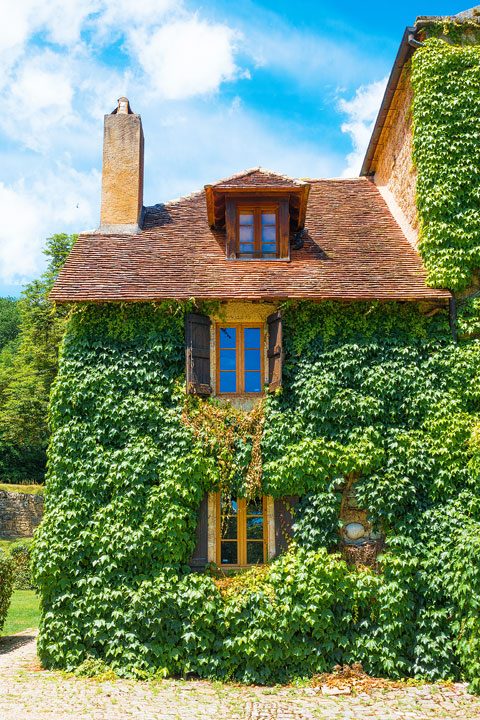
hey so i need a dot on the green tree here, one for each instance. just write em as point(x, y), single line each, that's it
point(9, 321)
point(27, 372)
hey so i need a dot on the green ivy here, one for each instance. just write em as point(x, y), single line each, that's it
point(375, 390)
point(446, 147)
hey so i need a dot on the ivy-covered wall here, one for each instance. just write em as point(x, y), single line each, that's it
point(446, 147)
point(375, 390)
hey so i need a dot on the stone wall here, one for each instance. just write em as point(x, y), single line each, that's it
point(393, 165)
point(20, 514)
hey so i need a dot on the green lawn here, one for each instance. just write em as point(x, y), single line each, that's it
point(24, 612)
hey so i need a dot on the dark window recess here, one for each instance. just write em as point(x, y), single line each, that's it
point(197, 352)
point(275, 350)
point(200, 555)
point(284, 519)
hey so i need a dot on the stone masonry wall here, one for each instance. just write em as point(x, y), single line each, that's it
point(393, 158)
point(20, 514)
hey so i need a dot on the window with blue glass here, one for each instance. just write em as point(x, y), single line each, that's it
point(257, 232)
point(239, 358)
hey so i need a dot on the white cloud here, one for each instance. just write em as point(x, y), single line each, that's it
point(62, 200)
point(39, 99)
point(124, 13)
point(361, 111)
point(187, 57)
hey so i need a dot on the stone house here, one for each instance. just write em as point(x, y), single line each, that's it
point(249, 243)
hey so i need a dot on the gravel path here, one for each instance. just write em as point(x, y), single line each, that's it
point(29, 693)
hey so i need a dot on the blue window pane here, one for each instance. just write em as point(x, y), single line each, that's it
point(252, 382)
point(228, 382)
point(246, 219)
point(228, 360)
point(268, 218)
point(246, 248)
point(246, 234)
point(252, 359)
point(228, 337)
point(251, 337)
point(268, 249)
point(269, 234)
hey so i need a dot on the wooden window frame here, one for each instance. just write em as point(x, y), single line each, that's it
point(240, 359)
point(257, 210)
point(256, 205)
point(241, 533)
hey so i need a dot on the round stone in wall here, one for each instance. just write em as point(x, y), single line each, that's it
point(354, 531)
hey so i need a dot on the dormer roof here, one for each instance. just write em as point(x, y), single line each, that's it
point(260, 183)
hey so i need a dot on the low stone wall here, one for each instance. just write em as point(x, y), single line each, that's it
point(20, 514)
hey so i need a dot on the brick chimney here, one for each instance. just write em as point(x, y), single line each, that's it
point(122, 174)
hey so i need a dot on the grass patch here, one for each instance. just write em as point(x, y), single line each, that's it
point(24, 612)
point(28, 489)
point(7, 544)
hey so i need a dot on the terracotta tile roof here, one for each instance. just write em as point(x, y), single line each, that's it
point(354, 250)
point(257, 177)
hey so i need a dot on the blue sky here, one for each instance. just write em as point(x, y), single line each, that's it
point(221, 86)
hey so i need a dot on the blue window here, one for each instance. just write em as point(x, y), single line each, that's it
point(240, 359)
point(228, 359)
point(257, 232)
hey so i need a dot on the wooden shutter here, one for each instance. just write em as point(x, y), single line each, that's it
point(231, 229)
point(284, 519)
point(275, 351)
point(284, 229)
point(197, 351)
point(200, 555)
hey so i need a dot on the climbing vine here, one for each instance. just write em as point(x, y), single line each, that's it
point(446, 145)
point(234, 436)
point(375, 390)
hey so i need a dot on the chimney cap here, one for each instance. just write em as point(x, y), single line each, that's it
point(123, 107)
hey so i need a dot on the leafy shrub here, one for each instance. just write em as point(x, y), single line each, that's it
point(20, 554)
point(374, 390)
point(6, 585)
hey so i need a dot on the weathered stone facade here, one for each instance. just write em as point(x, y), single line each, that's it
point(20, 514)
point(393, 165)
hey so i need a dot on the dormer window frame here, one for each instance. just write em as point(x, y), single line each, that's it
point(278, 204)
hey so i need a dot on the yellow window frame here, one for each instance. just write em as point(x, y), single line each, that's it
point(241, 539)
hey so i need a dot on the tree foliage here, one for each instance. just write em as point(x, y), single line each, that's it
point(9, 321)
point(27, 370)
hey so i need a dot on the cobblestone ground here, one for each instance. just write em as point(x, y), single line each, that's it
point(28, 693)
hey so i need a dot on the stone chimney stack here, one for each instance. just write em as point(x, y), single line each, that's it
point(122, 174)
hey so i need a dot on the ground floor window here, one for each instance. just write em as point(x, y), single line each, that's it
point(241, 530)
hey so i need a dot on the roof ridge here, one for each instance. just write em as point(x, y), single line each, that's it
point(259, 169)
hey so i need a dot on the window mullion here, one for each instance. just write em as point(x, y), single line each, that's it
point(258, 231)
point(241, 532)
point(240, 354)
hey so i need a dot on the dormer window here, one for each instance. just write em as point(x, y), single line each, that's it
point(257, 216)
point(257, 229)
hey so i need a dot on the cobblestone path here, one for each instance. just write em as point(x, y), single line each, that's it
point(28, 693)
